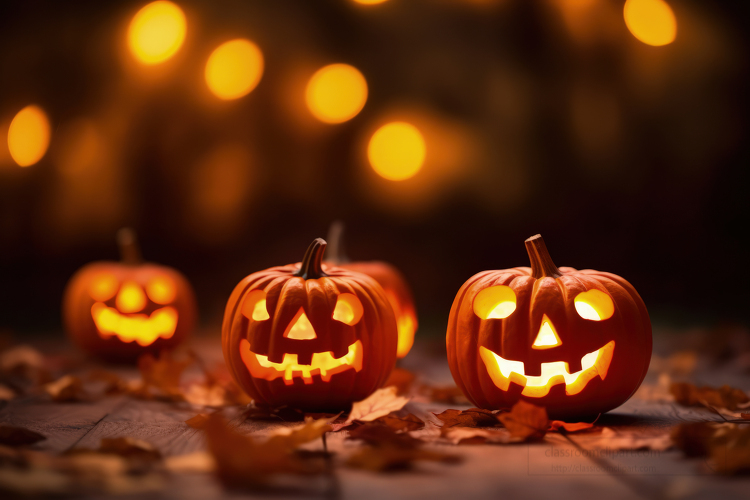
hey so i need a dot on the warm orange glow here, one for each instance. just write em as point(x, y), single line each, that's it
point(301, 328)
point(254, 306)
point(156, 32)
point(131, 298)
point(28, 136)
point(234, 69)
point(348, 309)
point(397, 151)
point(405, 324)
point(336, 93)
point(103, 287)
point(650, 21)
point(143, 329)
point(495, 302)
point(547, 336)
point(161, 290)
point(594, 305)
point(368, 2)
point(503, 372)
point(323, 364)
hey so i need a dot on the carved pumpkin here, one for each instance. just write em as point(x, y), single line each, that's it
point(393, 282)
point(576, 342)
point(310, 337)
point(121, 310)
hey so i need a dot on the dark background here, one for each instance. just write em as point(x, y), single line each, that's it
point(541, 116)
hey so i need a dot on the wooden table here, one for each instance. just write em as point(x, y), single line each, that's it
point(559, 467)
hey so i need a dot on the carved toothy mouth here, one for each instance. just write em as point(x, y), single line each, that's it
point(323, 364)
point(503, 372)
point(142, 328)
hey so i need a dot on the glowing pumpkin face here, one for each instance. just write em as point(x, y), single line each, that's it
point(312, 339)
point(576, 342)
point(119, 311)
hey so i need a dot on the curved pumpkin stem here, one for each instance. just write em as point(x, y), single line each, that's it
point(312, 262)
point(541, 263)
point(335, 240)
point(130, 253)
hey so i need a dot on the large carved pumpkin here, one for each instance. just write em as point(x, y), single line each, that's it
point(310, 337)
point(393, 282)
point(576, 342)
point(120, 310)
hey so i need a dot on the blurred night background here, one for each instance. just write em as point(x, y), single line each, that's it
point(619, 133)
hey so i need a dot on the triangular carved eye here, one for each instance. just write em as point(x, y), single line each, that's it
point(495, 302)
point(254, 306)
point(547, 336)
point(348, 309)
point(594, 305)
point(301, 328)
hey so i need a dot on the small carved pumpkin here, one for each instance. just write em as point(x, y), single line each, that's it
point(310, 337)
point(121, 310)
point(393, 282)
point(576, 342)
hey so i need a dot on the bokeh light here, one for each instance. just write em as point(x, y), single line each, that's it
point(397, 151)
point(650, 21)
point(369, 2)
point(28, 136)
point(336, 93)
point(234, 69)
point(157, 32)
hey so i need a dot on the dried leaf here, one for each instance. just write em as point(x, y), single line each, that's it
point(724, 397)
point(392, 458)
point(379, 404)
point(730, 449)
point(18, 436)
point(25, 361)
point(402, 424)
point(525, 421)
point(611, 439)
point(6, 393)
point(292, 437)
point(449, 395)
point(242, 462)
point(378, 434)
point(556, 425)
point(205, 395)
point(162, 374)
point(402, 379)
point(694, 438)
point(200, 461)
point(65, 389)
point(198, 421)
point(466, 435)
point(473, 417)
point(113, 384)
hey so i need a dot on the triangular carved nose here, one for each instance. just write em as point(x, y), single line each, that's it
point(301, 328)
point(547, 336)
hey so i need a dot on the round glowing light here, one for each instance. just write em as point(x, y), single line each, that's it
point(156, 32)
point(28, 136)
point(650, 21)
point(397, 151)
point(234, 69)
point(369, 2)
point(336, 93)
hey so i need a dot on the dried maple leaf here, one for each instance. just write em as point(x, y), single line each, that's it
point(113, 384)
point(724, 397)
point(694, 438)
point(378, 434)
point(200, 461)
point(631, 440)
point(473, 417)
point(162, 374)
point(65, 389)
point(449, 395)
point(243, 462)
point(379, 404)
point(402, 424)
point(25, 361)
point(130, 448)
point(18, 436)
point(198, 421)
point(467, 435)
point(392, 458)
point(730, 449)
point(292, 437)
point(556, 425)
point(525, 421)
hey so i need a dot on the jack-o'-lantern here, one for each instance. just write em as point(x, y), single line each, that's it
point(393, 282)
point(121, 310)
point(308, 336)
point(575, 342)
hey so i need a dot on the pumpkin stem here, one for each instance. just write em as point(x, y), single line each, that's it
point(130, 253)
point(335, 254)
point(541, 263)
point(312, 262)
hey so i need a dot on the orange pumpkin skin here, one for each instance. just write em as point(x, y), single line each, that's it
point(544, 293)
point(399, 296)
point(308, 291)
point(147, 325)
